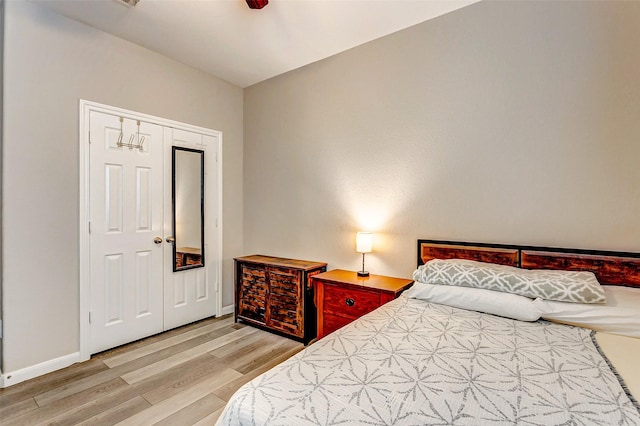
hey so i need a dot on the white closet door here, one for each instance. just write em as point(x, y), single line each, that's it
point(126, 213)
point(190, 295)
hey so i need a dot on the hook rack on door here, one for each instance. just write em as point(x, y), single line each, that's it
point(131, 145)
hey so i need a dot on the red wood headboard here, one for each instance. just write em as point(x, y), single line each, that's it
point(611, 268)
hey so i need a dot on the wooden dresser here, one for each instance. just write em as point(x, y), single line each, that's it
point(275, 293)
point(342, 296)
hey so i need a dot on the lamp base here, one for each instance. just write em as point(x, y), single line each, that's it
point(363, 273)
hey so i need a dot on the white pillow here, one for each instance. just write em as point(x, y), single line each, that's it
point(619, 315)
point(476, 299)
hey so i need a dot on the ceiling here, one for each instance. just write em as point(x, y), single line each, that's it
point(243, 46)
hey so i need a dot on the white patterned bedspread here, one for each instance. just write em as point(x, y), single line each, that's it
point(412, 362)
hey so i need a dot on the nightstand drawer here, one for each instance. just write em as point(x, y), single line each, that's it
point(333, 322)
point(349, 302)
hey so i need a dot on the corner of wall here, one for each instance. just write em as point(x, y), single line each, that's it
point(1, 184)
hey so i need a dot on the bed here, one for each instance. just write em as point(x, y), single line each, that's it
point(448, 360)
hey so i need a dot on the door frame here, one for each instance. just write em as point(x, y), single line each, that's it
point(85, 108)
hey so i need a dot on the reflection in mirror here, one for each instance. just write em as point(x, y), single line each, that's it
point(188, 208)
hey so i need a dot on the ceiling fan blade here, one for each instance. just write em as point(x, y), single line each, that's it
point(257, 4)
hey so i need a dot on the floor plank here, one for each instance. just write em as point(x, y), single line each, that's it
point(224, 392)
point(185, 356)
point(138, 368)
point(149, 349)
point(210, 419)
point(172, 405)
point(194, 372)
point(181, 377)
point(118, 413)
point(29, 388)
point(194, 412)
point(18, 408)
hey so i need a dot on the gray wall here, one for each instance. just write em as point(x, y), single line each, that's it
point(504, 122)
point(51, 63)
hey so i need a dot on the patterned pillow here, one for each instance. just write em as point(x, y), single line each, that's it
point(564, 286)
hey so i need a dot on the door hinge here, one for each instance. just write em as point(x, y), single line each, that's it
point(89, 317)
point(89, 137)
point(0, 329)
point(89, 227)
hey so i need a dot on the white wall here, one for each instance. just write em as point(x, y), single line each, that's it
point(504, 122)
point(50, 63)
point(1, 143)
point(188, 198)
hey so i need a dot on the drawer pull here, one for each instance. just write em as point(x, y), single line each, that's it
point(350, 302)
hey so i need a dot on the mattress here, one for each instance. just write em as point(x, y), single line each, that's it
point(413, 362)
point(623, 353)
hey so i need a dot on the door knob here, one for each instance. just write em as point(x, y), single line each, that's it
point(157, 240)
point(171, 240)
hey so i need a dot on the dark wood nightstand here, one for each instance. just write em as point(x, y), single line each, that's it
point(342, 296)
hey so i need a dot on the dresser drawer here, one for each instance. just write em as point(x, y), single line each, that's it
point(349, 302)
point(284, 281)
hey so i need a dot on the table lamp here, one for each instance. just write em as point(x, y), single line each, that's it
point(364, 244)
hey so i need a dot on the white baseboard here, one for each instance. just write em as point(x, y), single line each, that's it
point(13, 377)
point(229, 309)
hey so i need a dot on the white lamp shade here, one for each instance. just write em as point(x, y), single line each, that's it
point(364, 242)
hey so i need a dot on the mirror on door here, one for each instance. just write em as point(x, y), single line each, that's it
point(188, 208)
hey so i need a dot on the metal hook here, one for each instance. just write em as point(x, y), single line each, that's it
point(131, 143)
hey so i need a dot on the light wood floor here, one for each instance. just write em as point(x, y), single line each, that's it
point(181, 377)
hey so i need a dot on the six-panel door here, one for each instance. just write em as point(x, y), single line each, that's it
point(126, 206)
